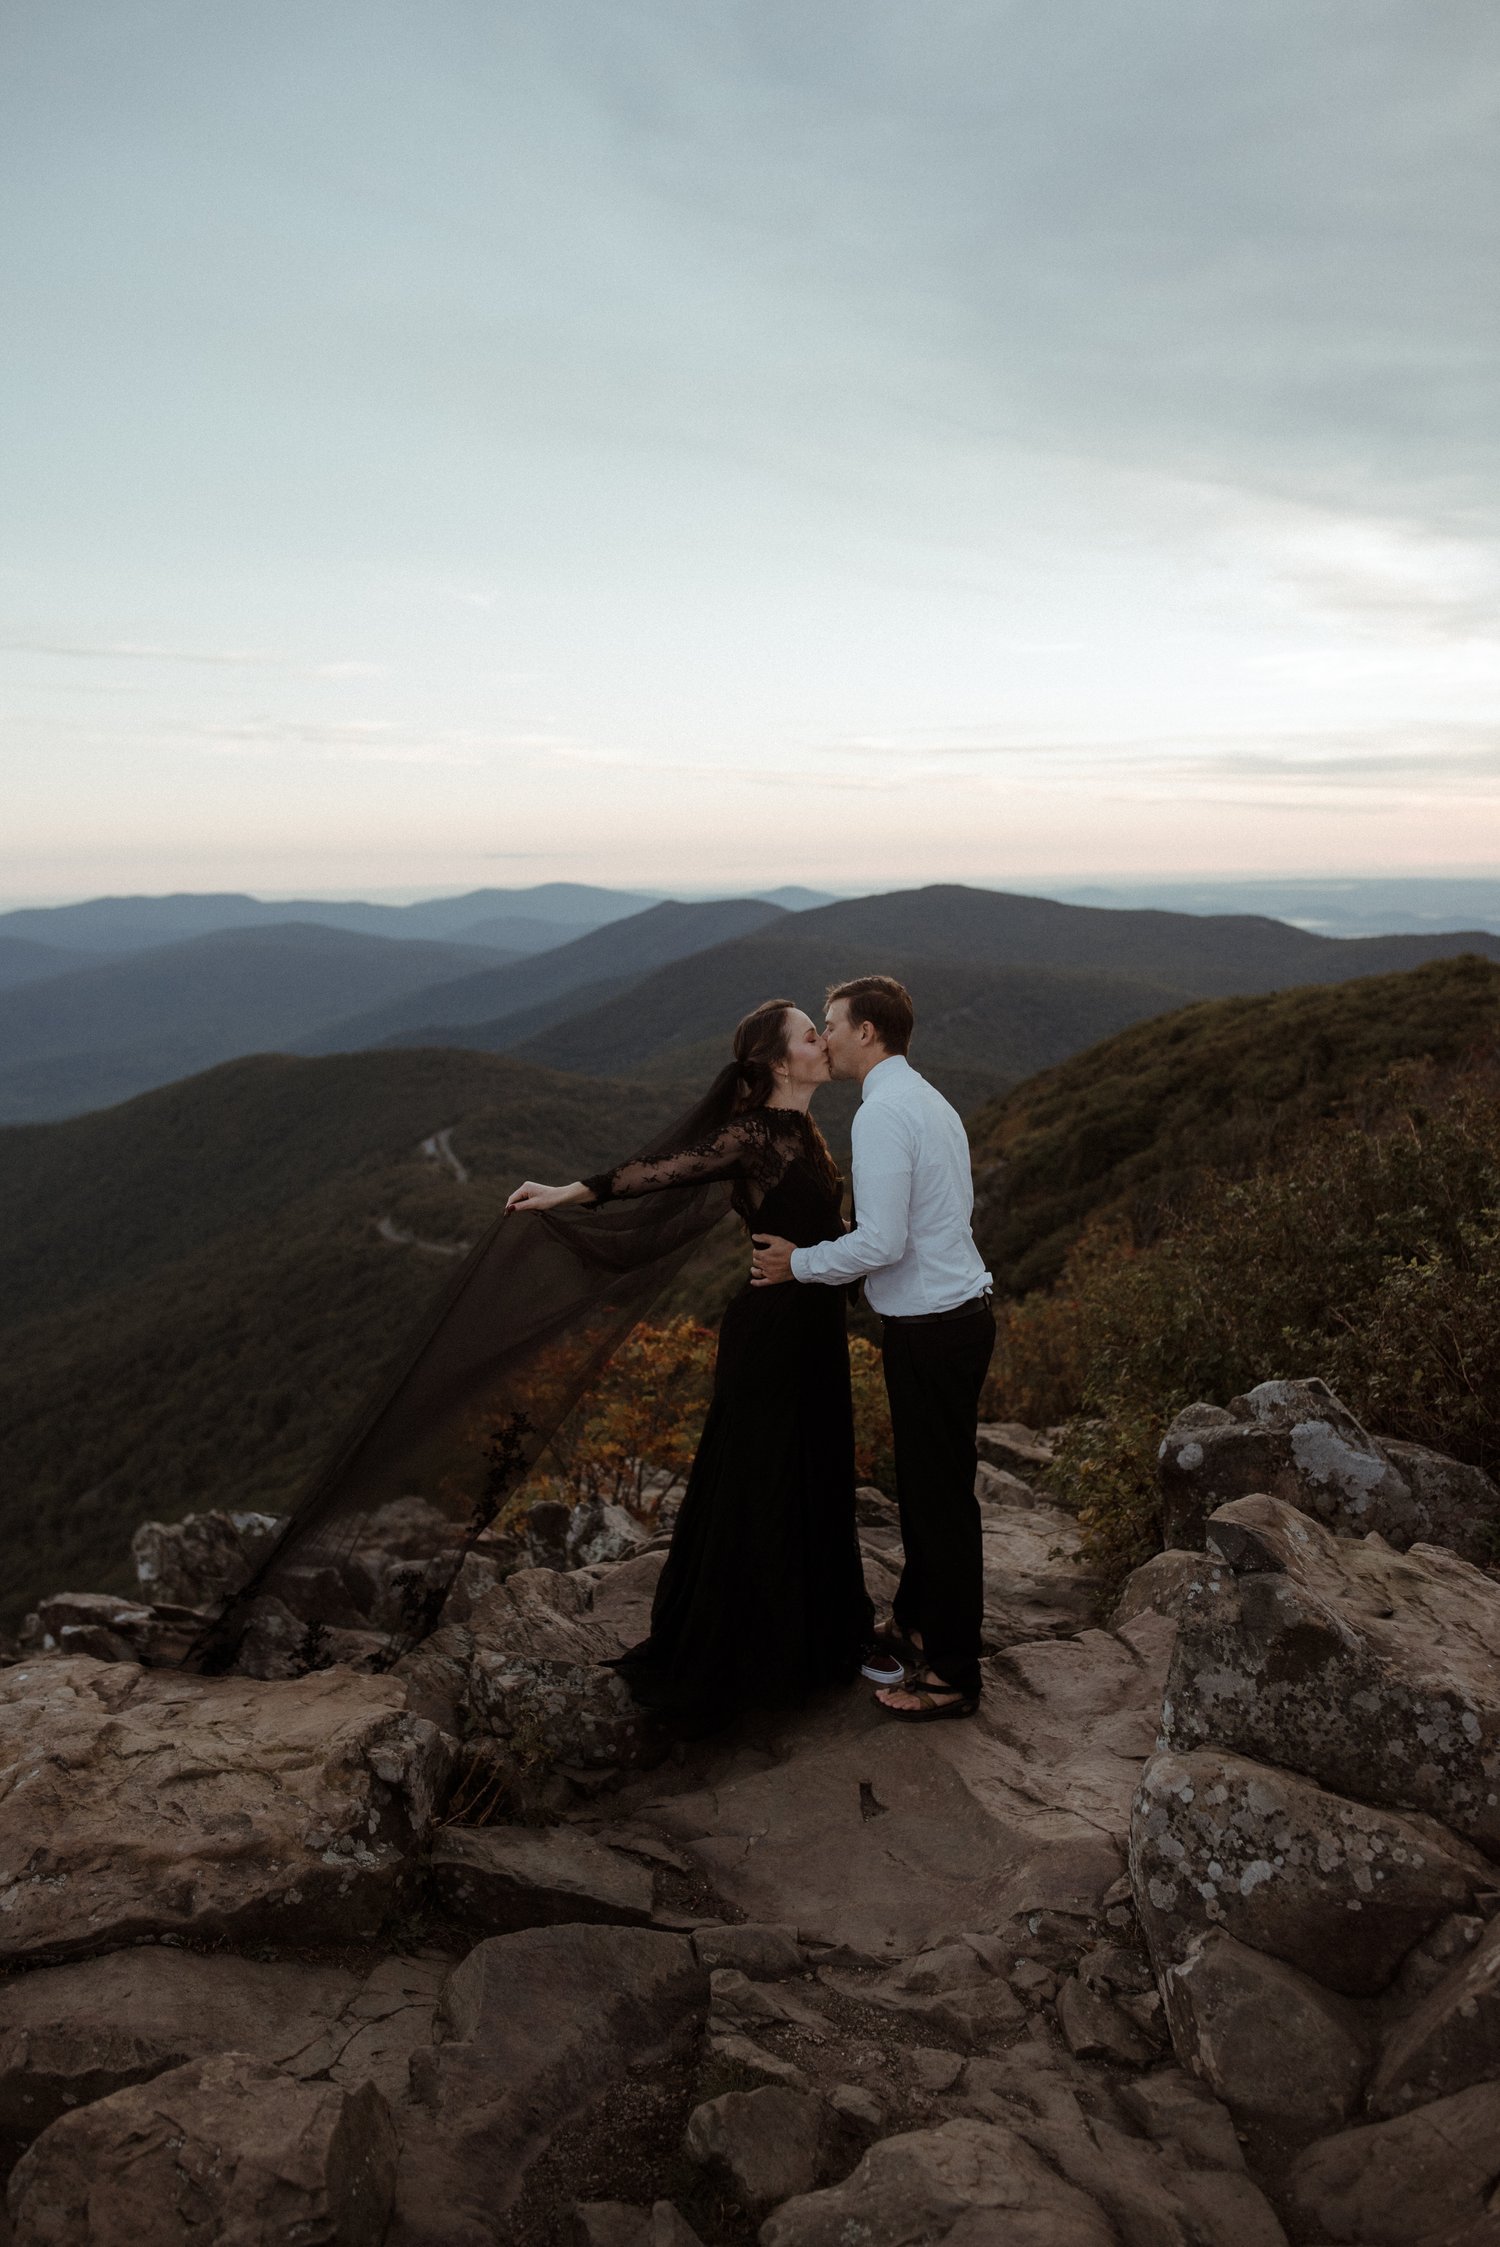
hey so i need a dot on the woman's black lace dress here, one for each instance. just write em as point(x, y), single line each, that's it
point(762, 1599)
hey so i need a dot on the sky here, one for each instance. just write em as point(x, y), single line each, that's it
point(728, 442)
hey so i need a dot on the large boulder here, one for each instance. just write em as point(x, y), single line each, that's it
point(1375, 1672)
point(1336, 1888)
point(199, 1560)
point(534, 2027)
point(1426, 2176)
point(138, 1804)
point(524, 1674)
point(1265, 2039)
point(221, 2149)
point(1295, 1441)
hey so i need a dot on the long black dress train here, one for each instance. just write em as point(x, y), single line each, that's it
point(762, 1599)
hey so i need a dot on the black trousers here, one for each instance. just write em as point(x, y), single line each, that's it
point(934, 1372)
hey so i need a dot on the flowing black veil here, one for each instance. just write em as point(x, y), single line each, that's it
point(477, 1392)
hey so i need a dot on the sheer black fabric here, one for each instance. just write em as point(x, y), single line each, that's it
point(765, 1541)
point(471, 1400)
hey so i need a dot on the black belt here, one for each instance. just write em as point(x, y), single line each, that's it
point(934, 1318)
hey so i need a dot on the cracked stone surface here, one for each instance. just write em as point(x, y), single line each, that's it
point(876, 1837)
point(72, 2033)
point(140, 1803)
point(1334, 1887)
point(1375, 1672)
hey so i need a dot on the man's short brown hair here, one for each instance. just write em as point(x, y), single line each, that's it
point(882, 1002)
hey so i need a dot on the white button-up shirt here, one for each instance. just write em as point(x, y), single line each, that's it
point(912, 1242)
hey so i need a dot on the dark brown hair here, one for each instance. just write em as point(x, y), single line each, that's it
point(759, 1043)
point(882, 1002)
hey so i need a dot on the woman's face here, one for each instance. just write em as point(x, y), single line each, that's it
point(805, 1062)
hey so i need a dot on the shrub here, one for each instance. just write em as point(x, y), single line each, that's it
point(1370, 1255)
point(645, 1416)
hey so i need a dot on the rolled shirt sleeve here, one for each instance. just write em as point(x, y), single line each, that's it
point(884, 1156)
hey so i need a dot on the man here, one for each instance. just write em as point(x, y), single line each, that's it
point(913, 1246)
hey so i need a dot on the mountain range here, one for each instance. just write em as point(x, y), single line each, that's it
point(1005, 984)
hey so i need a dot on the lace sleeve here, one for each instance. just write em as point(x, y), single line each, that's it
point(743, 1149)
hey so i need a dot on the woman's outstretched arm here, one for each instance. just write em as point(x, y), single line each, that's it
point(533, 1196)
point(725, 1153)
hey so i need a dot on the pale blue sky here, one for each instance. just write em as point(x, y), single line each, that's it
point(672, 443)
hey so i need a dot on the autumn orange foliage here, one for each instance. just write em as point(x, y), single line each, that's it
point(634, 1436)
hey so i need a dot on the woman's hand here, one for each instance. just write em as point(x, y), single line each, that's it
point(533, 1196)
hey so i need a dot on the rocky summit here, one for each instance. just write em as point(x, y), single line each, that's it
point(1191, 1938)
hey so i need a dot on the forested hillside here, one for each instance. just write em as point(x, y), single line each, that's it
point(197, 1289)
point(1130, 1124)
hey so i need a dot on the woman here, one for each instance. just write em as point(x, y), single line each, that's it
point(762, 1597)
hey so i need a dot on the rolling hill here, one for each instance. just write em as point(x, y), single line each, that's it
point(196, 1290)
point(23, 960)
point(978, 1028)
point(1004, 984)
point(618, 954)
point(1126, 1126)
point(104, 1032)
point(135, 924)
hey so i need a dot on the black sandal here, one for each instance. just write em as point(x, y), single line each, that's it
point(938, 1699)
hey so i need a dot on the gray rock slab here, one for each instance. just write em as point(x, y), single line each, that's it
point(1015, 1448)
point(874, 1837)
point(69, 2034)
point(136, 1804)
point(1036, 1581)
point(225, 2148)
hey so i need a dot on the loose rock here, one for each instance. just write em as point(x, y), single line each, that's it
point(765, 2145)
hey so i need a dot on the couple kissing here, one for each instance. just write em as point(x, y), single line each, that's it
point(762, 1599)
